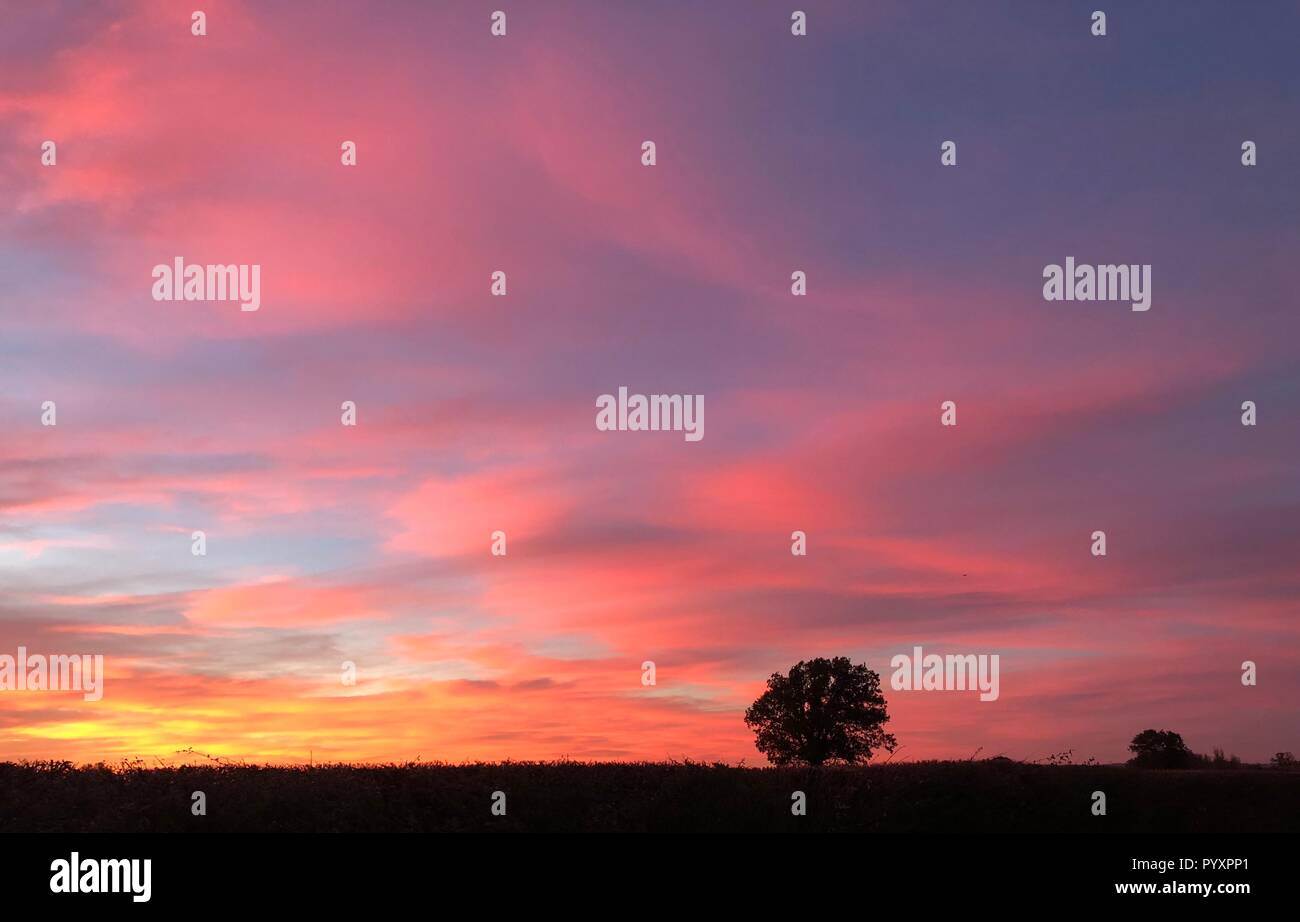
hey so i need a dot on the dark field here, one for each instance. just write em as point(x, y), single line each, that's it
point(989, 796)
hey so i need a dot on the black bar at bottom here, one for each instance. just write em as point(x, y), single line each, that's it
point(300, 871)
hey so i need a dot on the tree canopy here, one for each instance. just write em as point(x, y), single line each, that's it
point(823, 710)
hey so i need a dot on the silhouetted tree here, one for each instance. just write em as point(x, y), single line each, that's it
point(1221, 760)
point(825, 710)
point(1160, 749)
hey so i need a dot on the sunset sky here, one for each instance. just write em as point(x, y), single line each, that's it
point(475, 413)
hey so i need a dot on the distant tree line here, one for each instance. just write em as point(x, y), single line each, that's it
point(832, 711)
point(1166, 749)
